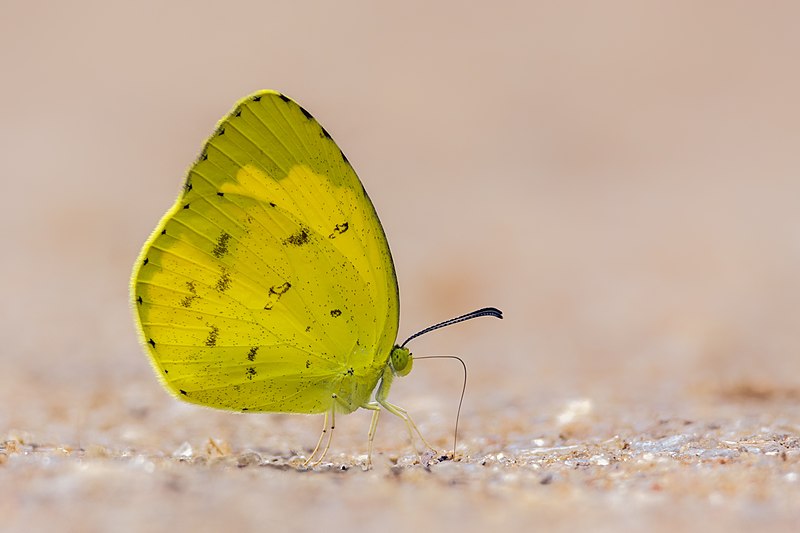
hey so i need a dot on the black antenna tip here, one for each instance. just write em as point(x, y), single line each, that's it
point(490, 311)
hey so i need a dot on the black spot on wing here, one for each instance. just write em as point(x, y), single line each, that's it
point(187, 300)
point(221, 131)
point(238, 112)
point(297, 239)
point(284, 98)
point(275, 293)
point(183, 392)
point(221, 247)
point(220, 194)
point(211, 340)
point(146, 260)
point(250, 372)
point(305, 113)
point(203, 156)
point(251, 355)
point(224, 281)
point(336, 313)
point(339, 229)
point(325, 132)
point(163, 232)
point(139, 300)
point(152, 343)
point(257, 98)
point(281, 288)
point(186, 206)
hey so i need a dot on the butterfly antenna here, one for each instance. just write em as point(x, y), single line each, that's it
point(463, 390)
point(486, 311)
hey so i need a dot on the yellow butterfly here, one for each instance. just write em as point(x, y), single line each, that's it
point(269, 285)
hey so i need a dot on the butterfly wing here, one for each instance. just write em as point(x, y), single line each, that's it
point(269, 285)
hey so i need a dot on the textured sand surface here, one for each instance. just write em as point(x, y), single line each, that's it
point(620, 179)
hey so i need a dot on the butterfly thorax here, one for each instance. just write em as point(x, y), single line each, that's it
point(356, 385)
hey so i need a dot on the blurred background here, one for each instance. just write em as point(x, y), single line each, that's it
point(620, 178)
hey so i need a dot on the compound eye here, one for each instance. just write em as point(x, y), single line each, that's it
point(401, 360)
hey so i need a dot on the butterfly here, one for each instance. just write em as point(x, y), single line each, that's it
point(269, 285)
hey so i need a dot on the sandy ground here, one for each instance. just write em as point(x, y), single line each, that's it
point(620, 179)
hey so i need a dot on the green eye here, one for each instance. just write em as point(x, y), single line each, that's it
point(401, 361)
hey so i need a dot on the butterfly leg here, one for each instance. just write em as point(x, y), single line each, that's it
point(402, 413)
point(373, 426)
point(311, 462)
point(381, 398)
point(319, 441)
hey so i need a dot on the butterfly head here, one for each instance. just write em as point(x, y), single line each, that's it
point(401, 360)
